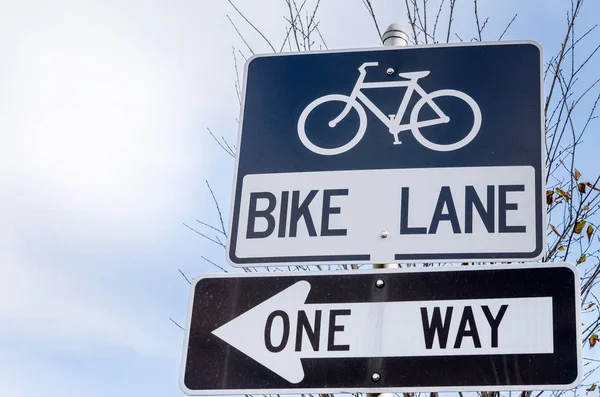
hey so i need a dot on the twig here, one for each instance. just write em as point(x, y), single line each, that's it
point(581, 38)
point(240, 34)
point(213, 263)
point(507, 26)
point(211, 226)
point(237, 77)
point(227, 144)
point(450, 19)
point(412, 22)
point(252, 25)
point(321, 36)
point(479, 28)
point(174, 322)
point(561, 55)
point(586, 61)
point(437, 18)
point(369, 6)
point(312, 19)
point(184, 276)
point(226, 149)
point(293, 24)
point(218, 208)
point(287, 36)
point(204, 235)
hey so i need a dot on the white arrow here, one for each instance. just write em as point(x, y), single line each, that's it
point(272, 334)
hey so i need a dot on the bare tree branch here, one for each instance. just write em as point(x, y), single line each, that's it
point(252, 25)
point(214, 264)
point(507, 26)
point(210, 226)
point(218, 208)
point(227, 149)
point(240, 35)
point(174, 322)
point(204, 235)
point(450, 19)
point(184, 276)
point(371, 12)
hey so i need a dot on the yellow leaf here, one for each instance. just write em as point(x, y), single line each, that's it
point(581, 187)
point(579, 226)
point(593, 340)
point(581, 259)
point(591, 305)
point(554, 230)
point(592, 388)
point(564, 194)
point(589, 231)
point(577, 174)
point(561, 248)
point(549, 194)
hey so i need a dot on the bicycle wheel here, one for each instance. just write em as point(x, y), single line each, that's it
point(414, 117)
point(362, 126)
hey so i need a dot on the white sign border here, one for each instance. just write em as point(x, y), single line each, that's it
point(379, 390)
point(426, 260)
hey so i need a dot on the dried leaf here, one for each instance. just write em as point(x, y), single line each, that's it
point(592, 186)
point(579, 226)
point(593, 340)
point(581, 187)
point(589, 231)
point(591, 388)
point(549, 194)
point(581, 259)
point(564, 194)
point(561, 248)
point(587, 207)
point(591, 305)
point(554, 230)
point(576, 174)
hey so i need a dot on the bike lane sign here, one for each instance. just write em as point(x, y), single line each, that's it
point(410, 154)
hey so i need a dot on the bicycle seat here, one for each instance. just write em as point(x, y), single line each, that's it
point(414, 75)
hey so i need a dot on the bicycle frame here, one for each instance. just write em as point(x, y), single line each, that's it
point(394, 122)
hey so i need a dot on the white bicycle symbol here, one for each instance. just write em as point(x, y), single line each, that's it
point(392, 122)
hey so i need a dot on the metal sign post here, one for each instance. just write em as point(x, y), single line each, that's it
point(395, 35)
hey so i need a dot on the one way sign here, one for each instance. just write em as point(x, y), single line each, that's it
point(500, 328)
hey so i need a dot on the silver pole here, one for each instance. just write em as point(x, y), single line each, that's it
point(394, 35)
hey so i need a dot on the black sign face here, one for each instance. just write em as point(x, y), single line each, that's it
point(439, 148)
point(376, 331)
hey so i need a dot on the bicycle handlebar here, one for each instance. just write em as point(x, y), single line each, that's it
point(366, 65)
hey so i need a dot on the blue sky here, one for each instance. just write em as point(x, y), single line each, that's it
point(103, 155)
